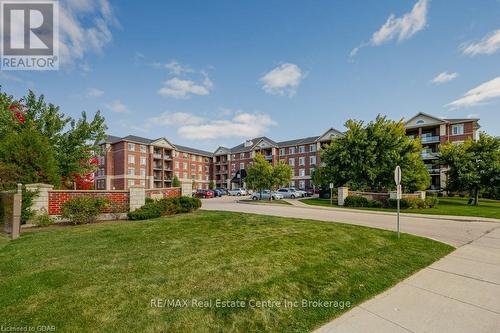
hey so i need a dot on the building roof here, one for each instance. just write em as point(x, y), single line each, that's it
point(295, 142)
point(193, 150)
point(241, 147)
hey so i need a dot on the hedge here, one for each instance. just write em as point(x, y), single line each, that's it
point(407, 203)
point(166, 206)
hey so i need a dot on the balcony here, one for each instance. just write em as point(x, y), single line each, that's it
point(158, 156)
point(429, 155)
point(167, 157)
point(429, 139)
point(434, 171)
point(157, 166)
point(268, 157)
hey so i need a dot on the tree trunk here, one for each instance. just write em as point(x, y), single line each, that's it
point(476, 196)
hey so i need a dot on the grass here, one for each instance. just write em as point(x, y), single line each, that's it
point(446, 206)
point(102, 277)
point(266, 202)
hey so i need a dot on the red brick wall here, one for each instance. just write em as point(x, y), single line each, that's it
point(57, 198)
point(166, 192)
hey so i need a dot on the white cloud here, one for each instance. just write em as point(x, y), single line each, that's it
point(478, 95)
point(488, 45)
point(242, 125)
point(94, 92)
point(444, 77)
point(175, 118)
point(473, 115)
point(177, 69)
point(185, 88)
point(84, 27)
point(401, 28)
point(283, 80)
point(117, 106)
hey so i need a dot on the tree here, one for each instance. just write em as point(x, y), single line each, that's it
point(176, 182)
point(473, 166)
point(71, 143)
point(282, 175)
point(211, 185)
point(259, 174)
point(366, 156)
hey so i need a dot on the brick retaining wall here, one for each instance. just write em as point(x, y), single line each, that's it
point(58, 197)
point(163, 192)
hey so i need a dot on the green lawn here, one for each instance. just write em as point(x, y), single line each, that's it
point(266, 202)
point(102, 277)
point(447, 206)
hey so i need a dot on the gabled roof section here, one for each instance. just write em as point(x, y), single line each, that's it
point(255, 141)
point(111, 139)
point(138, 139)
point(163, 142)
point(222, 151)
point(423, 118)
point(329, 134)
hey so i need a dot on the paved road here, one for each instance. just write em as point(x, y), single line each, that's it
point(459, 293)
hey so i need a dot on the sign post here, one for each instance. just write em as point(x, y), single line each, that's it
point(331, 194)
point(397, 179)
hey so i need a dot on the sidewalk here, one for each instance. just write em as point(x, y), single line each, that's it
point(459, 293)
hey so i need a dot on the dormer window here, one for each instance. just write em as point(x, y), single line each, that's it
point(420, 122)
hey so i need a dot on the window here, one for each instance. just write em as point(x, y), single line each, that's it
point(131, 147)
point(457, 129)
point(312, 148)
point(193, 158)
point(131, 159)
point(177, 174)
point(233, 167)
point(143, 183)
point(302, 172)
point(291, 161)
point(302, 161)
point(143, 161)
point(131, 182)
point(200, 177)
point(312, 160)
point(184, 175)
point(291, 150)
point(420, 122)
point(199, 158)
point(143, 149)
point(184, 155)
point(200, 168)
point(282, 151)
point(177, 164)
point(131, 171)
point(143, 172)
point(184, 166)
point(311, 171)
point(302, 149)
point(302, 184)
point(242, 166)
point(242, 156)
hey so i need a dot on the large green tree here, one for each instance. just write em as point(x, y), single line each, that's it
point(282, 175)
point(473, 166)
point(366, 156)
point(261, 175)
point(71, 143)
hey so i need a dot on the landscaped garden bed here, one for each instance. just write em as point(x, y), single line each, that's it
point(110, 276)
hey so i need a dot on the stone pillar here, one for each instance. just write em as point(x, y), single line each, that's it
point(186, 189)
point(342, 194)
point(137, 197)
point(41, 201)
point(16, 213)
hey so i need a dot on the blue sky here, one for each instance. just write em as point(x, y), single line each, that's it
point(209, 73)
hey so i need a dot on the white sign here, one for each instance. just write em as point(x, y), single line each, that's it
point(331, 185)
point(398, 192)
point(397, 175)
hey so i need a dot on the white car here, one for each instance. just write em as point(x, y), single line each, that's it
point(289, 193)
point(266, 194)
point(238, 191)
point(299, 192)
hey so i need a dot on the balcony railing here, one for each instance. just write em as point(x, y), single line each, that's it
point(167, 157)
point(157, 155)
point(434, 171)
point(429, 155)
point(268, 157)
point(429, 139)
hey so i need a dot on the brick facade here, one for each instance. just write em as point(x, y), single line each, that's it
point(57, 198)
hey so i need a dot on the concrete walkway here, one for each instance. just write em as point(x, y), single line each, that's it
point(459, 293)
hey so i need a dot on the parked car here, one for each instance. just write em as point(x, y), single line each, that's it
point(222, 190)
point(289, 193)
point(238, 191)
point(266, 194)
point(204, 194)
point(218, 193)
point(299, 192)
point(310, 192)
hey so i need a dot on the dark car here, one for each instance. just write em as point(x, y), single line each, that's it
point(222, 191)
point(204, 194)
point(310, 192)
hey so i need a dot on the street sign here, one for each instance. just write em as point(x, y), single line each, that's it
point(397, 175)
point(331, 185)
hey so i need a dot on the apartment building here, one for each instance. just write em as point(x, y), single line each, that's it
point(133, 160)
point(433, 132)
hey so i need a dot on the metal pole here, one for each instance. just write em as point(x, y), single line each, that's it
point(398, 217)
point(331, 196)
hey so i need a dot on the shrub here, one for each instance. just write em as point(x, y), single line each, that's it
point(393, 203)
point(431, 201)
point(26, 203)
point(82, 210)
point(374, 203)
point(42, 219)
point(356, 201)
point(166, 206)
